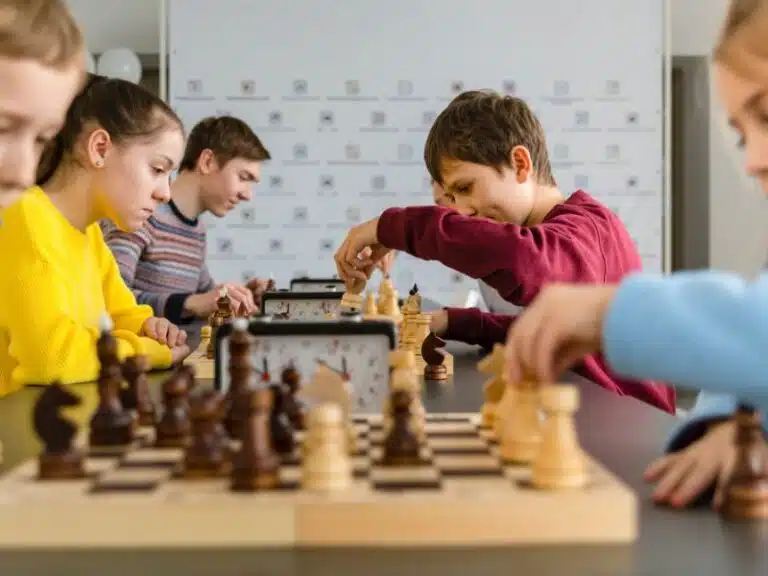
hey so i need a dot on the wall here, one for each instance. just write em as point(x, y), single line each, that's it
point(737, 215)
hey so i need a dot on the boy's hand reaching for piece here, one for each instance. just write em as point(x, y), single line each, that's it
point(681, 476)
point(164, 332)
point(563, 324)
point(360, 252)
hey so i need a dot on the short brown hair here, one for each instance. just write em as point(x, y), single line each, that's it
point(483, 127)
point(227, 137)
point(741, 13)
point(41, 30)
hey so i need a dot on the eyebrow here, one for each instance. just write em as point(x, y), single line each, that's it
point(250, 175)
point(750, 104)
point(166, 160)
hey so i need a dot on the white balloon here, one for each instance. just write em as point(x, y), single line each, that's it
point(120, 63)
point(90, 63)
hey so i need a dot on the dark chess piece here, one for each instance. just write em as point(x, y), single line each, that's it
point(401, 446)
point(174, 429)
point(434, 356)
point(256, 465)
point(59, 458)
point(208, 453)
point(291, 379)
point(220, 317)
point(280, 427)
point(110, 424)
point(136, 395)
point(746, 493)
point(241, 381)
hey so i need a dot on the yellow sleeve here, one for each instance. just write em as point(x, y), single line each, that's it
point(126, 313)
point(46, 341)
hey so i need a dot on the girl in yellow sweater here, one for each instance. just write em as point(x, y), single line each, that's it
point(41, 69)
point(112, 159)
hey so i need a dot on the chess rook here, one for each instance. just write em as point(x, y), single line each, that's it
point(241, 378)
point(255, 466)
point(327, 465)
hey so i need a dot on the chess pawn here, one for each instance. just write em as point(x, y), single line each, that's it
point(327, 465)
point(746, 492)
point(207, 455)
point(402, 446)
point(352, 298)
point(135, 370)
point(255, 466)
point(404, 379)
point(174, 429)
point(369, 306)
point(494, 388)
point(291, 379)
point(560, 462)
point(205, 339)
point(521, 432)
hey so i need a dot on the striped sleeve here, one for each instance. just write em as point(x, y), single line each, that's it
point(128, 248)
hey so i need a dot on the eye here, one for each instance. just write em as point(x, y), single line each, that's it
point(159, 171)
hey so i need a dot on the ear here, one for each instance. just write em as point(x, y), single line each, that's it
point(206, 162)
point(520, 160)
point(98, 146)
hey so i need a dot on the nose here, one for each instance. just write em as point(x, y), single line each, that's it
point(463, 207)
point(245, 194)
point(18, 166)
point(163, 192)
point(757, 155)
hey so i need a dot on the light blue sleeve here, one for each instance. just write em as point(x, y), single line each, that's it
point(700, 330)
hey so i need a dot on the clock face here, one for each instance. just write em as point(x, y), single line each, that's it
point(298, 309)
point(359, 349)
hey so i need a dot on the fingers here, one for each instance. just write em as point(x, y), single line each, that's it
point(698, 477)
point(347, 261)
point(672, 478)
point(160, 329)
point(242, 298)
point(658, 466)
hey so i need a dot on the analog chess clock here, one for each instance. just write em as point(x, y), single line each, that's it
point(357, 349)
point(306, 284)
point(285, 305)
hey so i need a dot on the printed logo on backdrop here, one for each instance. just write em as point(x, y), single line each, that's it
point(351, 215)
point(195, 90)
point(405, 91)
point(561, 94)
point(326, 121)
point(509, 87)
point(326, 186)
point(378, 187)
point(582, 122)
point(300, 218)
point(352, 91)
point(454, 88)
point(352, 155)
point(299, 91)
point(245, 218)
point(274, 250)
point(300, 155)
point(224, 249)
point(246, 90)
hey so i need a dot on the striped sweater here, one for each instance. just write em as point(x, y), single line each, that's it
point(164, 262)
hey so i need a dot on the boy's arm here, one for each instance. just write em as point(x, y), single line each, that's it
point(473, 326)
point(514, 260)
point(701, 330)
point(176, 309)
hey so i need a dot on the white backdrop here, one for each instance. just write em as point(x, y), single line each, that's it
point(343, 95)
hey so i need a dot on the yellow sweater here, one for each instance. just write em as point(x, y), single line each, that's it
point(55, 283)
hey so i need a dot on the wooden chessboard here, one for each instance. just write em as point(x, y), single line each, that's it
point(463, 496)
point(204, 366)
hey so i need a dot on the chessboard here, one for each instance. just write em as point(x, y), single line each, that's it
point(462, 494)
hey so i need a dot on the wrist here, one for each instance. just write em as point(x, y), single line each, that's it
point(191, 306)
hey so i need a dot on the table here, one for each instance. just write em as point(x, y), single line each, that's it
point(622, 432)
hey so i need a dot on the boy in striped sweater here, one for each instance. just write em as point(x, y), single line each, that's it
point(164, 262)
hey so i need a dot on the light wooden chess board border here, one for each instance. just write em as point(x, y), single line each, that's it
point(465, 512)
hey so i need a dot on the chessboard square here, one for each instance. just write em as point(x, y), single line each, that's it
point(469, 465)
point(362, 446)
point(361, 465)
point(488, 435)
point(289, 477)
point(110, 451)
point(458, 445)
point(377, 452)
point(450, 428)
point(131, 480)
point(153, 458)
point(405, 478)
point(361, 429)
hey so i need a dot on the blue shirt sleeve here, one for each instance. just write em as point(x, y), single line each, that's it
point(700, 330)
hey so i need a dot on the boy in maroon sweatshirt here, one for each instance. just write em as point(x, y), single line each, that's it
point(503, 221)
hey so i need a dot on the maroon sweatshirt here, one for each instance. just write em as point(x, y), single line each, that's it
point(579, 240)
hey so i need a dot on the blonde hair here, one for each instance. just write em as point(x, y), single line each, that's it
point(745, 30)
point(40, 30)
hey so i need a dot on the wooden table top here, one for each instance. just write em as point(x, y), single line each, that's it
point(622, 433)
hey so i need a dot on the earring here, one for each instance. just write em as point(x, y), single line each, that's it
point(99, 163)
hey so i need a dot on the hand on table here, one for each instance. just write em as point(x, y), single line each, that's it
point(360, 252)
point(203, 305)
point(164, 332)
point(681, 476)
point(563, 324)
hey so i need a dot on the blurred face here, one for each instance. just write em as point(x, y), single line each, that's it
point(33, 103)
point(224, 187)
point(504, 195)
point(746, 102)
point(134, 176)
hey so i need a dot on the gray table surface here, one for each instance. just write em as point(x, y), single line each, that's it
point(621, 432)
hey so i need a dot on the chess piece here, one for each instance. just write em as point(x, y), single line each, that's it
point(521, 433)
point(352, 298)
point(174, 429)
point(207, 454)
point(241, 379)
point(110, 425)
point(404, 378)
point(494, 387)
point(326, 465)
point(387, 304)
point(559, 463)
point(434, 357)
point(421, 323)
point(370, 310)
point(281, 430)
point(255, 466)
point(59, 459)
point(135, 370)
point(503, 409)
point(330, 386)
point(291, 379)
point(401, 445)
point(220, 317)
point(746, 492)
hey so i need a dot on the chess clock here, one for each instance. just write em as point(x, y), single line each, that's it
point(355, 347)
point(306, 284)
point(285, 305)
